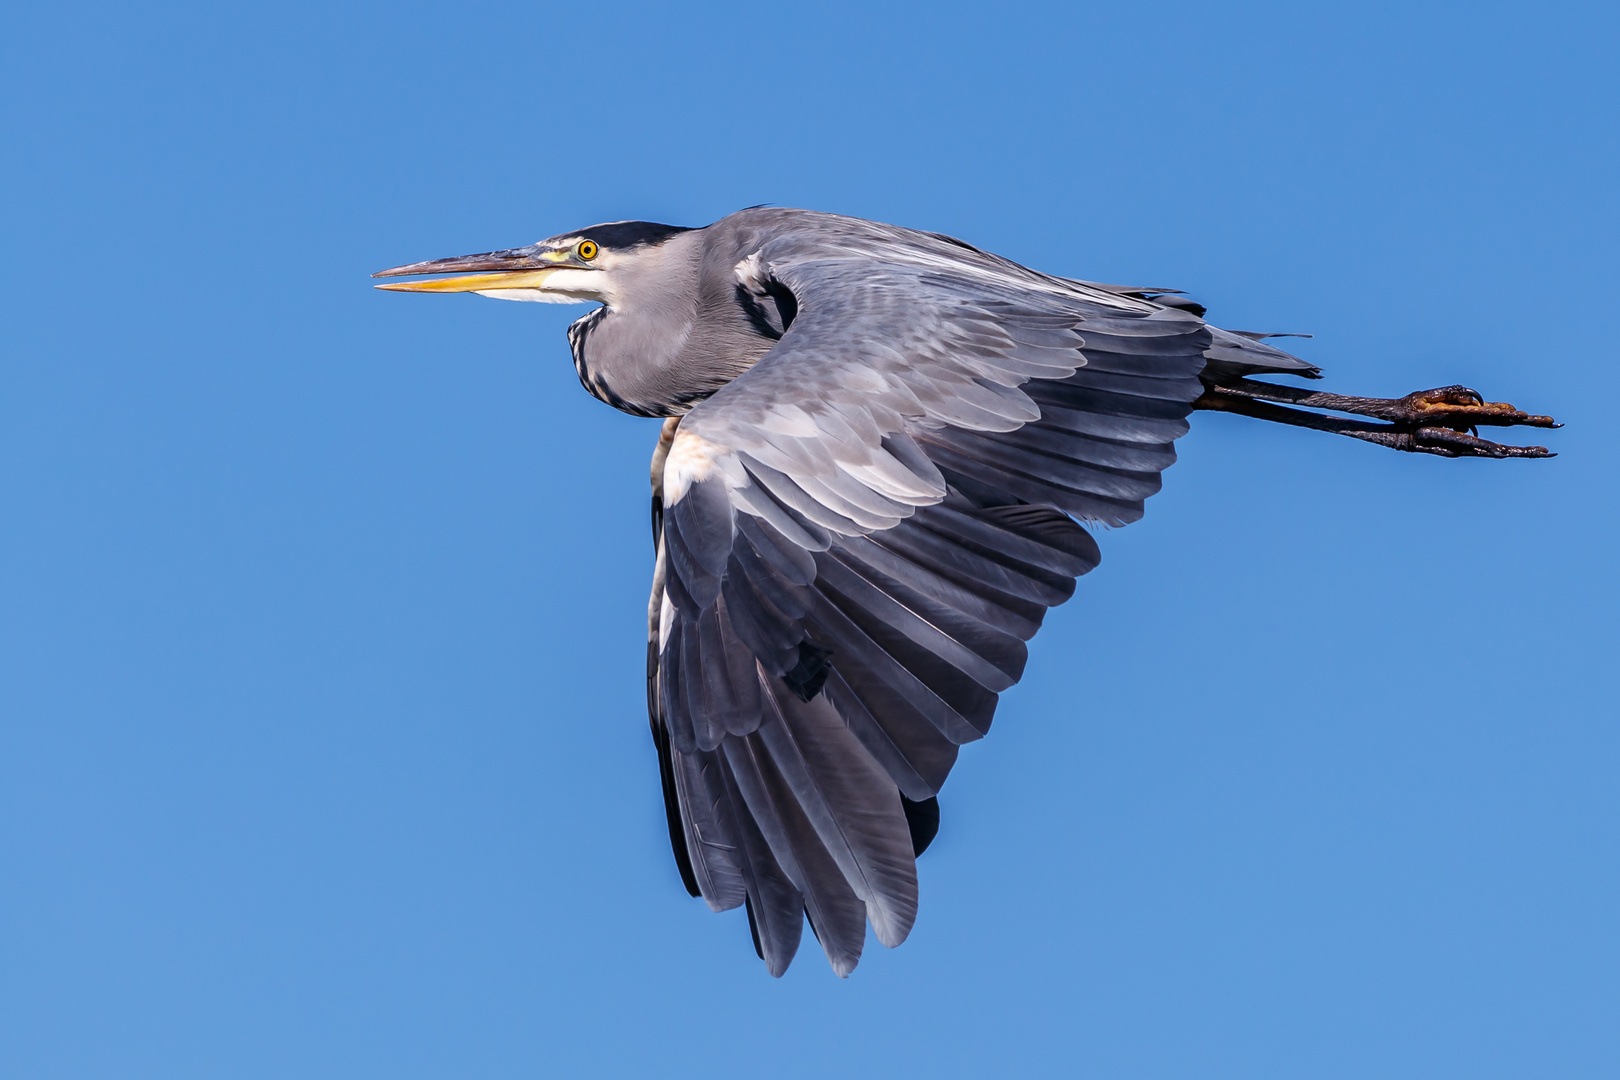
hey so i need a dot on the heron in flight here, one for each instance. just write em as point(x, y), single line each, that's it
point(879, 446)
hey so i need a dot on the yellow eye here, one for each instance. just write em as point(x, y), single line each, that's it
point(586, 249)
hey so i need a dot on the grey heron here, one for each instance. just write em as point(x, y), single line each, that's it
point(878, 448)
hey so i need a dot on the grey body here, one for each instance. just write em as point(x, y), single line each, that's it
point(881, 446)
point(876, 517)
point(688, 326)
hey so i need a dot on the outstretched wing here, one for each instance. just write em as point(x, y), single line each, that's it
point(858, 537)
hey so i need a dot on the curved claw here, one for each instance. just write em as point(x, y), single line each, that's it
point(1448, 442)
point(1443, 421)
point(1461, 408)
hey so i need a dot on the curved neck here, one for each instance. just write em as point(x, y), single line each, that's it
point(670, 333)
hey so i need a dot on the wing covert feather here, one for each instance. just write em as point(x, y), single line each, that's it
point(861, 533)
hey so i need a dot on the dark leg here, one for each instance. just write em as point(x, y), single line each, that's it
point(1427, 422)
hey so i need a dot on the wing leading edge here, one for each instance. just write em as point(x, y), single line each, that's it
point(857, 537)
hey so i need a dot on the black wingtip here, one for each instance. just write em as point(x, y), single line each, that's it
point(666, 777)
point(922, 818)
point(1176, 300)
point(753, 926)
point(807, 677)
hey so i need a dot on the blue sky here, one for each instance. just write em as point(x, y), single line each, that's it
point(322, 744)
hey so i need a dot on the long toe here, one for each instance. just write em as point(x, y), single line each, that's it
point(1448, 442)
point(1461, 408)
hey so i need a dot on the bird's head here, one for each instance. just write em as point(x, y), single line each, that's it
point(571, 268)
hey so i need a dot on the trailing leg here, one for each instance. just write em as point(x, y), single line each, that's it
point(1443, 421)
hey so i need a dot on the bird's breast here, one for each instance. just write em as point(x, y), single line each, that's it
point(660, 367)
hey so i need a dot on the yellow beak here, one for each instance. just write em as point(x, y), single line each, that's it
point(514, 268)
point(511, 279)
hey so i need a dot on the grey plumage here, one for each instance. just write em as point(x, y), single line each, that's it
point(884, 482)
point(881, 448)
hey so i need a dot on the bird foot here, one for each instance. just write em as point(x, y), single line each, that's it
point(1451, 442)
point(1461, 409)
point(1446, 421)
point(1443, 421)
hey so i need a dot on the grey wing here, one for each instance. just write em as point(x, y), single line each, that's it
point(858, 537)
